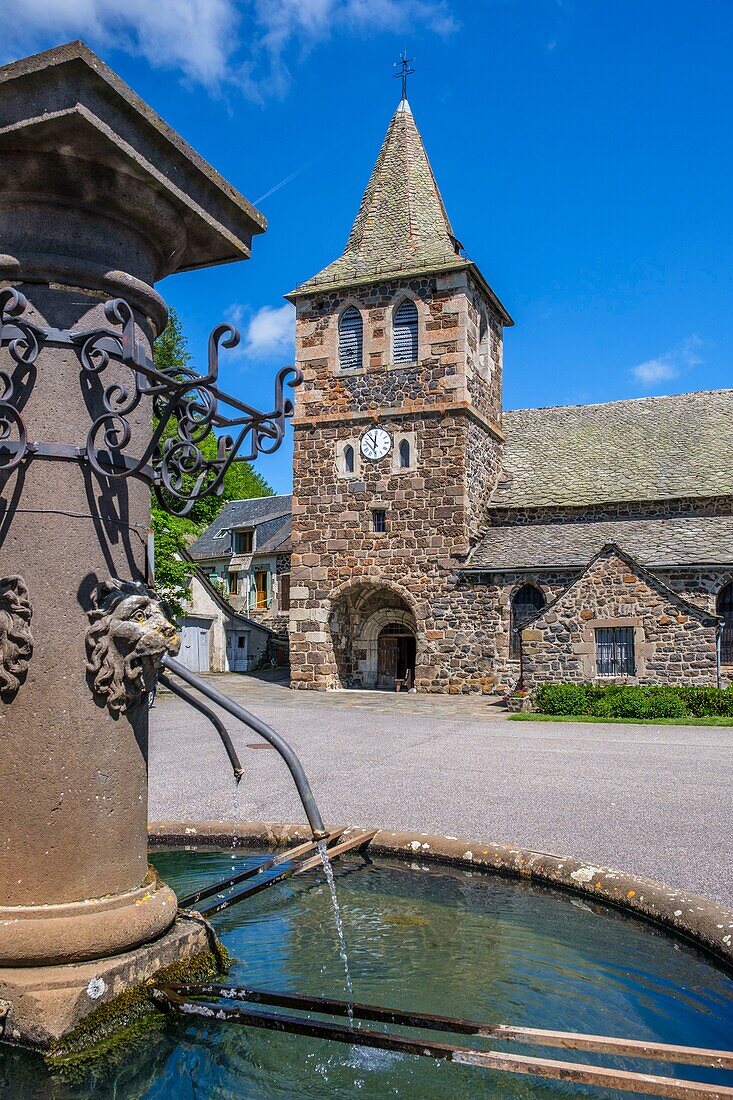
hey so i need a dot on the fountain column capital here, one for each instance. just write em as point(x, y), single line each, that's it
point(97, 191)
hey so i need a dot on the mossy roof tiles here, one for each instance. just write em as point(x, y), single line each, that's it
point(652, 448)
point(402, 226)
point(654, 542)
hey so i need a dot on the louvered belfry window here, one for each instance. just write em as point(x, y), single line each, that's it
point(404, 333)
point(615, 651)
point(351, 339)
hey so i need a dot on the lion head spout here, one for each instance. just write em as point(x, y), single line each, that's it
point(127, 640)
point(16, 640)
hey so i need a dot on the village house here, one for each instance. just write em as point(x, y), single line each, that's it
point(237, 617)
point(440, 541)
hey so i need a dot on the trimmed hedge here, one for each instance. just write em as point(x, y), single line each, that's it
point(634, 701)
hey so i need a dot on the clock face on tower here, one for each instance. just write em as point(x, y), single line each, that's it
point(375, 444)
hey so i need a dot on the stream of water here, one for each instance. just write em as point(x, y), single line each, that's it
point(328, 871)
point(235, 819)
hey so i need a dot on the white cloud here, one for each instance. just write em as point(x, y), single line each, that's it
point(670, 364)
point(196, 37)
point(269, 333)
point(214, 42)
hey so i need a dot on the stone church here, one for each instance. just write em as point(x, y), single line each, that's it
point(440, 542)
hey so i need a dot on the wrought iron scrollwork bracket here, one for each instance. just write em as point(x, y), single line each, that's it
point(23, 340)
point(186, 408)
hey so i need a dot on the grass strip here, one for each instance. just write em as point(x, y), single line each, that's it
point(525, 716)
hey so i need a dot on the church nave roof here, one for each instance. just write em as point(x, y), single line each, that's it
point(649, 448)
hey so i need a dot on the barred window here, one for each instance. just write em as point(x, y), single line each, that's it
point(351, 332)
point(379, 521)
point(526, 602)
point(404, 333)
point(724, 608)
point(405, 455)
point(348, 459)
point(615, 651)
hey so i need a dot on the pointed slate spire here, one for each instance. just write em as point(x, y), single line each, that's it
point(402, 226)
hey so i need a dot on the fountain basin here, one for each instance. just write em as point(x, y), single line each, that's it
point(706, 923)
point(423, 934)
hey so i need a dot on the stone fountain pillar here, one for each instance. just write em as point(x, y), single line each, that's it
point(99, 199)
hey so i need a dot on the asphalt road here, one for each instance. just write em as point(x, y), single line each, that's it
point(653, 800)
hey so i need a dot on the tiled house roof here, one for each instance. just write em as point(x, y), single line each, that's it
point(402, 225)
point(274, 534)
point(269, 515)
point(579, 456)
point(651, 448)
point(679, 540)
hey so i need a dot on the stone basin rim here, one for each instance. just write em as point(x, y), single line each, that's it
point(705, 923)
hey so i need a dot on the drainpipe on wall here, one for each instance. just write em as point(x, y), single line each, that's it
point(718, 641)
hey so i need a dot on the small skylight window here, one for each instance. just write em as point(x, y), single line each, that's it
point(221, 534)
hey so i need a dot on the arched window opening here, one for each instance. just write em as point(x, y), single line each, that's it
point(404, 333)
point(404, 455)
point(483, 344)
point(526, 602)
point(724, 608)
point(348, 459)
point(351, 339)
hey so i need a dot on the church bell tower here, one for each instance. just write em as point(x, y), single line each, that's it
point(398, 439)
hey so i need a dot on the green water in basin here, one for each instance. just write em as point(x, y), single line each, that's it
point(433, 940)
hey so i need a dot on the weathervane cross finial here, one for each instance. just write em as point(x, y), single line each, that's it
point(406, 71)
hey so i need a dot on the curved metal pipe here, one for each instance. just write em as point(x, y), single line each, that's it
point(280, 744)
point(215, 720)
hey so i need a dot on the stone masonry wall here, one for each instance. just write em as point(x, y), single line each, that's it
point(334, 546)
point(439, 377)
point(484, 356)
point(698, 585)
point(464, 626)
point(430, 507)
point(673, 642)
point(627, 509)
point(482, 470)
point(477, 620)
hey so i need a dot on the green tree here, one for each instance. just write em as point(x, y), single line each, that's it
point(174, 533)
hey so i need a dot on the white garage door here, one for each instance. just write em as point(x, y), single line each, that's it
point(194, 652)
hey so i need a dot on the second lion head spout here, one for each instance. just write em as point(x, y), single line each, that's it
point(128, 637)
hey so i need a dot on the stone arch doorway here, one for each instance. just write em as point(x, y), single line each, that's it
point(375, 637)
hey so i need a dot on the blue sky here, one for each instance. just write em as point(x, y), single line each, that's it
point(583, 150)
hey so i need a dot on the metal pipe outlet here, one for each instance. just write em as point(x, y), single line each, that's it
point(280, 744)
